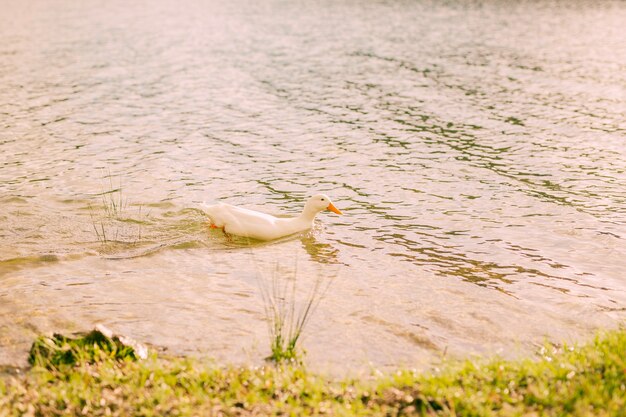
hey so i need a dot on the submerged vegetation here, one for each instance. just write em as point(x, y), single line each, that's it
point(586, 381)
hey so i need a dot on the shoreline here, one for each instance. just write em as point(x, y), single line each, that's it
point(590, 379)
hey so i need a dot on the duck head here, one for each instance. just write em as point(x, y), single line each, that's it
point(319, 203)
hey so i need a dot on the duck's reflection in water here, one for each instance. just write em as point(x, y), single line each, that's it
point(321, 252)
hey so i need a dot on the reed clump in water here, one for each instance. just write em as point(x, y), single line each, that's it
point(113, 200)
point(112, 222)
point(286, 316)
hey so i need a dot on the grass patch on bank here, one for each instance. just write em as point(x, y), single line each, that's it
point(61, 351)
point(585, 381)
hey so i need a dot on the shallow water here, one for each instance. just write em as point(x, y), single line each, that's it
point(476, 150)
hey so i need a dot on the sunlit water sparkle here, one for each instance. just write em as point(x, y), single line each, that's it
point(476, 149)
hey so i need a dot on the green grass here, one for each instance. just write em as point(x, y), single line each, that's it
point(59, 351)
point(585, 381)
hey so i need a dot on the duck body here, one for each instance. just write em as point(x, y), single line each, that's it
point(257, 225)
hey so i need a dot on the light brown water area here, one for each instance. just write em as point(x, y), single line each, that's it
point(477, 150)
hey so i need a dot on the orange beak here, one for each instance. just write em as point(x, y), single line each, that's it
point(334, 209)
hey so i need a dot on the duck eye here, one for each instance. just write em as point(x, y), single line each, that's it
point(323, 199)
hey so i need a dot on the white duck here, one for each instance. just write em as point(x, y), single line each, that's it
point(254, 224)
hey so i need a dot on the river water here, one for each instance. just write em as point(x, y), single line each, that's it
point(477, 150)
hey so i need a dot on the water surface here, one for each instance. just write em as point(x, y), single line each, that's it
point(476, 149)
